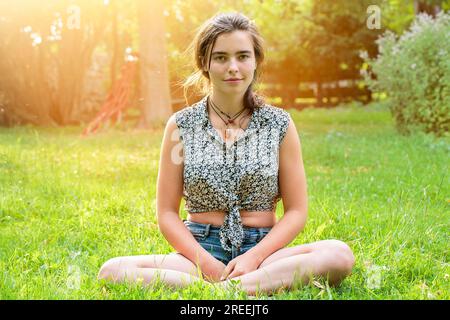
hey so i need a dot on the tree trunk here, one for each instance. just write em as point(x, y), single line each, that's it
point(319, 94)
point(155, 88)
point(421, 6)
point(116, 55)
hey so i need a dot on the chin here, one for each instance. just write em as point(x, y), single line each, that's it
point(235, 91)
point(232, 88)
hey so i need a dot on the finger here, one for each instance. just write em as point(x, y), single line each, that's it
point(235, 273)
point(228, 269)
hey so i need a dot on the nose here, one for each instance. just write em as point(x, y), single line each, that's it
point(233, 67)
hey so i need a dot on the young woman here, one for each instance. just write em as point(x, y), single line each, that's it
point(232, 157)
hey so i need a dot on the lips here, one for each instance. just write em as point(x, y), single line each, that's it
point(233, 79)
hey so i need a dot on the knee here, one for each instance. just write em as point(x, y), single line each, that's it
point(110, 269)
point(342, 255)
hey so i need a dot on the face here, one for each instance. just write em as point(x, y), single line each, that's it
point(232, 57)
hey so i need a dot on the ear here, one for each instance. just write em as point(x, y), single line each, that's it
point(204, 68)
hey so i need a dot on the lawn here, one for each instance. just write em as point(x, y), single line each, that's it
point(68, 204)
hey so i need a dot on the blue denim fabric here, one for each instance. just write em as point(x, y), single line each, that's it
point(207, 236)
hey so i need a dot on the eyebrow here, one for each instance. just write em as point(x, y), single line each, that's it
point(223, 52)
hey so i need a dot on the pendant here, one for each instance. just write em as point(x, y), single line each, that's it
point(227, 134)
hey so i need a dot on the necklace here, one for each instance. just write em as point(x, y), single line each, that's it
point(227, 122)
point(230, 118)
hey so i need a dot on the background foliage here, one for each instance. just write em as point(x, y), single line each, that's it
point(414, 71)
point(53, 75)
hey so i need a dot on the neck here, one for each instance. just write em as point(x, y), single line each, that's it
point(230, 104)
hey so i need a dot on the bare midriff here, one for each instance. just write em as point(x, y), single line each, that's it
point(255, 219)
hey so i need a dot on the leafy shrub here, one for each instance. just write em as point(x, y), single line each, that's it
point(414, 71)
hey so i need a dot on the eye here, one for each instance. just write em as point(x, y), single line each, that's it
point(244, 55)
point(219, 58)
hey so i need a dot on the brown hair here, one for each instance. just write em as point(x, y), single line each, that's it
point(202, 46)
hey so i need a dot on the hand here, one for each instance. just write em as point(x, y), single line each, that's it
point(240, 265)
point(212, 269)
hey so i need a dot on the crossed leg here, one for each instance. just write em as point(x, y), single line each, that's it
point(332, 259)
point(173, 269)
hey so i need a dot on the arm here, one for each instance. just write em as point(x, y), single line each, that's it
point(168, 196)
point(293, 191)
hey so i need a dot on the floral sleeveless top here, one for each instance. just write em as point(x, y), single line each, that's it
point(229, 177)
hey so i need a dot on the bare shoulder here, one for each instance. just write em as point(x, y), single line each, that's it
point(291, 141)
point(171, 131)
point(179, 120)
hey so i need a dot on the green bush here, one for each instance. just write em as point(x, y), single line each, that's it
point(414, 71)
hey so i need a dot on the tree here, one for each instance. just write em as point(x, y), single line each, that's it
point(325, 45)
point(45, 51)
point(431, 7)
point(154, 75)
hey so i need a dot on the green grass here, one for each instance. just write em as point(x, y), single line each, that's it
point(68, 204)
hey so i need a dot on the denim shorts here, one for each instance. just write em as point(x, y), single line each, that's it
point(207, 236)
